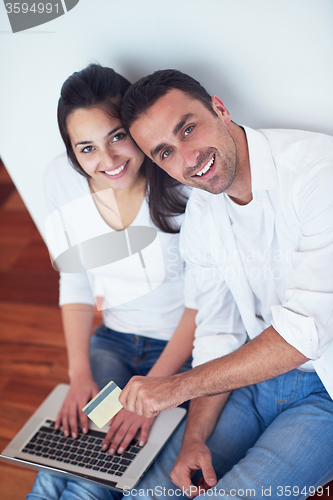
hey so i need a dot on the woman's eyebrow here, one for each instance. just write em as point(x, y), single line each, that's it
point(81, 143)
point(113, 131)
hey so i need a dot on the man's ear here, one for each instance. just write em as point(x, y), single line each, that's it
point(220, 109)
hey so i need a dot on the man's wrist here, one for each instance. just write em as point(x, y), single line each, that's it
point(188, 384)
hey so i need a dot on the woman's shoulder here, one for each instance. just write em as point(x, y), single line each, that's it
point(62, 182)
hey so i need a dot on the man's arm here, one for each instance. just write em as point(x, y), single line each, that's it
point(264, 357)
point(194, 454)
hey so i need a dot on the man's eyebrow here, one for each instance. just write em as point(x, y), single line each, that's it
point(182, 122)
point(158, 148)
point(175, 131)
point(82, 143)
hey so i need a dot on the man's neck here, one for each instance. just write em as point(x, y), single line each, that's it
point(240, 191)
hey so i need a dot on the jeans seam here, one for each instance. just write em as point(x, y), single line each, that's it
point(294, 396)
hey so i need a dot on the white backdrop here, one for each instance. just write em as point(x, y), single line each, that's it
point(270, 61)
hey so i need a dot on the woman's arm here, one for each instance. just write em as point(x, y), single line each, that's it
point(77, 323)
point(178, 349)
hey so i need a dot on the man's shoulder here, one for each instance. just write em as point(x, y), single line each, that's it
point(199, 199)
point(296, 149)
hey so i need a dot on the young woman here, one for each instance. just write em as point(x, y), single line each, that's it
point(108, 199)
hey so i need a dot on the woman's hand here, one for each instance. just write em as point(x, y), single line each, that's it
point(80, 392)
point(123, 428)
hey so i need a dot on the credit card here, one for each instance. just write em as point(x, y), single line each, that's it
point(104, 405)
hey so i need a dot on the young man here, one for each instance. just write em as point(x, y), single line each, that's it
point(258, 236)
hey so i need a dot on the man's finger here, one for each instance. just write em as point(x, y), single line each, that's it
point(181, 477)
point(209, 475)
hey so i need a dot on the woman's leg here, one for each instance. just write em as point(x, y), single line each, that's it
point(49, 487)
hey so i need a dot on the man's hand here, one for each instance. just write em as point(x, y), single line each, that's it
point(124, 427)
point(80, 392)
point(147, 396)
point(192, 457)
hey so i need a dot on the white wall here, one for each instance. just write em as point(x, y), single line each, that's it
point(270, 61)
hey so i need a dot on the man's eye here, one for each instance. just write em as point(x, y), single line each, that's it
point(118, 137)
point(87, 149)
point(188, 130)
point(166, 153)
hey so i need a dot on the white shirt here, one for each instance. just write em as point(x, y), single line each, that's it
point(144, 291)
point(292, 183)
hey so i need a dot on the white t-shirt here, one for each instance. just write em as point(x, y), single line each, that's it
point(139, 270)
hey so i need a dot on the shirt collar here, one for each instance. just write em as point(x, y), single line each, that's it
point(263, 171)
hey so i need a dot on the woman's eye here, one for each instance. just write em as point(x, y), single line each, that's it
point(188, 130)
point(166, 153)
point(118, 137)
point(87, 149)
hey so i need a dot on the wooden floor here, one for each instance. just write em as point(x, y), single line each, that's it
point(32, 347)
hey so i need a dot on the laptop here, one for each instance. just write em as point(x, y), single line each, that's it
point(39, 446)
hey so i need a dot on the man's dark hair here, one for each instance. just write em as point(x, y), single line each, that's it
point(146, 91)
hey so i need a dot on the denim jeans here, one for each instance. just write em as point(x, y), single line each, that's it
point(273, 439)
point(113, 356)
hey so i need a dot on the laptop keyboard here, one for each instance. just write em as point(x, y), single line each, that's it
point(85, 451)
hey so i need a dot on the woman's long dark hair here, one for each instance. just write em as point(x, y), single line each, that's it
point(97, 86)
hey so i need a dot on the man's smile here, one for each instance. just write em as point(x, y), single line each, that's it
point(207, 167)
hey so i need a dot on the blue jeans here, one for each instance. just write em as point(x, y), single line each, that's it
point(113, 356)
point(272, 439)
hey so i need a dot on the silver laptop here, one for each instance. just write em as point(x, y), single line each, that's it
point(39, 446)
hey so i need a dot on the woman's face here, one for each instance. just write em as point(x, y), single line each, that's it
point(103, 149)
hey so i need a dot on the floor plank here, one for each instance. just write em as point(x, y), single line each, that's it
point(15, 482)
point(40, 324)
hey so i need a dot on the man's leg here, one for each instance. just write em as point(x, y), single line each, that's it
point(238, 428)
point(294, 455)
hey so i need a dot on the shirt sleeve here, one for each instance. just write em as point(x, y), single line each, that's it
point(73, 287)
point(220, 329)
point(305, 320)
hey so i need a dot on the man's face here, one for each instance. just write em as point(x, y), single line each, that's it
point(186, 140)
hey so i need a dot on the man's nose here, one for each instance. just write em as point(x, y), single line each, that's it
point(190, 155)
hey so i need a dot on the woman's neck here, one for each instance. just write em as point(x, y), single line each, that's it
point(118, 208)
